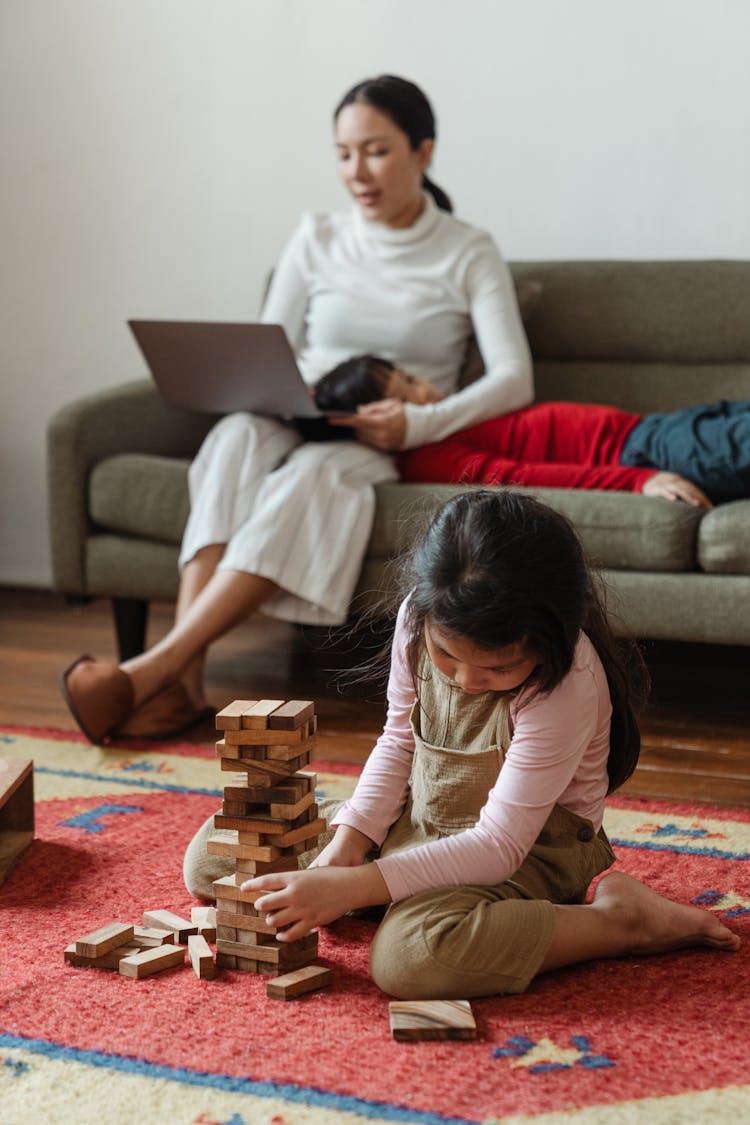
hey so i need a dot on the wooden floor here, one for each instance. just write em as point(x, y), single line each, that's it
point(696, 732)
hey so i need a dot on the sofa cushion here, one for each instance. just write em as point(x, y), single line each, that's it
point(724, 539)
point(142, 495)
point(145, 496)
point(618, 530)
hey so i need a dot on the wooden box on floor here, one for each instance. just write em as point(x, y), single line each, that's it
point(16, 810)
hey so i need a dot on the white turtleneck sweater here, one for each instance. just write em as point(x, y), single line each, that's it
point(345, 286)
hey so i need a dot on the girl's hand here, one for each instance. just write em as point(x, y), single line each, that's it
point(381, 424)
point(299, 901)
point(348, 848)
point(670, 486)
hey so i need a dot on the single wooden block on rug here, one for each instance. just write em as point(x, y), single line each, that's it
point(201, 957)
point(110, 960)
point(167, 920)
point(105, 938)
point(148, 961)
point(16, 810)
point(204, 917)
point(431, 1019)
point(301, 981)
point(146, 937)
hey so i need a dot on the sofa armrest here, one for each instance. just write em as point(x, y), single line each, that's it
point(131, 418)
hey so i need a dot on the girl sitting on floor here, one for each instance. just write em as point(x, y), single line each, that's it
point(700, 454)
point(510, 717)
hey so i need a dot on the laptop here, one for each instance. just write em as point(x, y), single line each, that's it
point(220, 368)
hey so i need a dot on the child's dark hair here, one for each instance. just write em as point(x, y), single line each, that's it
point(408, 108)
point(498, 567)
point(353, 383)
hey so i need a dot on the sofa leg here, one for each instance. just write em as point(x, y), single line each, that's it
point(131, 616)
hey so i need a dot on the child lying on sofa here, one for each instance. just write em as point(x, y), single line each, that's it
point(700, 454)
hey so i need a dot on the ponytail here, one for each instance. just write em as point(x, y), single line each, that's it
point(437, 193)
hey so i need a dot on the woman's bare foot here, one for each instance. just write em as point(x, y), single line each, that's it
point(650, 923)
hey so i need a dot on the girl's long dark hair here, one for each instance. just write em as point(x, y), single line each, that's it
point(408, 108)
point(498, 567)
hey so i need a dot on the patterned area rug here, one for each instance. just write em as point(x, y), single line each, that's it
point(661, 1039)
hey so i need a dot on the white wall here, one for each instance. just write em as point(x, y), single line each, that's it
point(155, 154)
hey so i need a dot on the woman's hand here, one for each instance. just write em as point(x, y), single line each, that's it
point(381, 424)
point(673, 487)
point(348, 848)
point(299, 901)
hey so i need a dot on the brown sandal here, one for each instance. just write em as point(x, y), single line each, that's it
point(99, 695)
point(167, 713)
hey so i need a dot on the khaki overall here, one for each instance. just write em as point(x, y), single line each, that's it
point(466, 941)
point(459, 942)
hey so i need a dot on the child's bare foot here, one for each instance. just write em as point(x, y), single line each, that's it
point(653, 924)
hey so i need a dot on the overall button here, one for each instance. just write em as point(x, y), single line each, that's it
point(585, 834)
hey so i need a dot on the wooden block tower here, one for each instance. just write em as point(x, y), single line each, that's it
point(269, 807)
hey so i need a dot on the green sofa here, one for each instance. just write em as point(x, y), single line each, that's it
point(644, 336)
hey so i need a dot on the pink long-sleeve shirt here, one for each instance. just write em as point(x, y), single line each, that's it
point(557, 755)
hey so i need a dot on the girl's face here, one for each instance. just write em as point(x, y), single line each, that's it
point(474, 669)
point(409, 388)
point(378, 166)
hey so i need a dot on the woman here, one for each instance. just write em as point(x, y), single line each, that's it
point(283, 524)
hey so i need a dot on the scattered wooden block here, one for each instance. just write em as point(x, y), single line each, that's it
point(431, 1019)
point(166, 920)
point(308, 979)
point(229, 717)
point(292, 715)
point(201, 957)
point(149, 961)
point(204, 917)
point(109, 960)
point(105, 938)
point(16, 810)
point(146, 937)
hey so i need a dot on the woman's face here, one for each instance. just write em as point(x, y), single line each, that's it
point(478, 669)
point(378, 166)
point(409, 388)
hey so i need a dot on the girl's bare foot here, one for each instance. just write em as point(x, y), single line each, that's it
point(650, 923)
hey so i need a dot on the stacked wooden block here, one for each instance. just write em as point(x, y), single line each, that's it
point(269, 809)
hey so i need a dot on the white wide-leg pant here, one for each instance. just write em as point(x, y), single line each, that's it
point(298, 513)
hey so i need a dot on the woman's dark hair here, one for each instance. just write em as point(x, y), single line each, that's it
point(408, 108)
point(353, 383)
point(499, 567)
